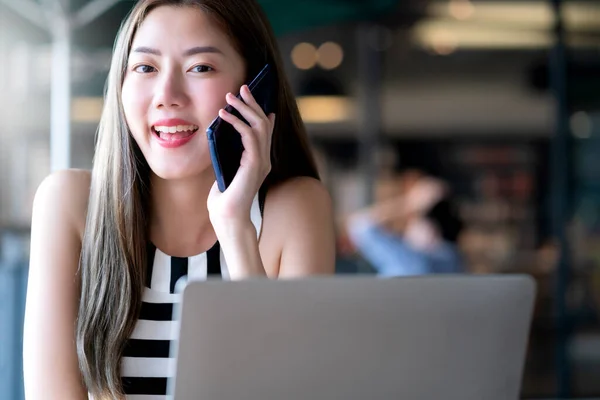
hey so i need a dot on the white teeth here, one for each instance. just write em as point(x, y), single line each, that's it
point(173, 129)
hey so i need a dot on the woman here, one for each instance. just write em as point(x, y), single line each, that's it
point(108, 247)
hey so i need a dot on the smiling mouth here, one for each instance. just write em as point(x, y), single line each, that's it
point(169, 133)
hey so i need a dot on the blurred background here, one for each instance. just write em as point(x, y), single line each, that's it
point(462, 134)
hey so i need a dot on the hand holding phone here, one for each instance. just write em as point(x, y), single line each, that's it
point(225, 143)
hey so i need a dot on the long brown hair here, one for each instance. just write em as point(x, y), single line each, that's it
point(113, 254)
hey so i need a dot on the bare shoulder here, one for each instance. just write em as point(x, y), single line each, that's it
point(65, 194)
point(299, 227)
point(300, 194)
point(50, 362)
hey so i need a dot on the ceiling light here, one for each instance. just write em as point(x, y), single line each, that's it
point(330, 55)
point(304, 55)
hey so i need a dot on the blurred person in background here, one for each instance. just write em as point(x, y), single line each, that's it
point(411, 229)
point(108, 247)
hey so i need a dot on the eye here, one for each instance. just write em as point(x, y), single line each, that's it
point(202, 68)
point(144, 69)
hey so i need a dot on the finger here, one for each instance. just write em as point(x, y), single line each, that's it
point(244, 109)
point(250, 141)
point(214, 190)
point(251, 101)
point(238, 124)
point(270, 136)
point(272, 122)
point(252, 150)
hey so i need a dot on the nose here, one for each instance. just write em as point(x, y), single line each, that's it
point(170, 91)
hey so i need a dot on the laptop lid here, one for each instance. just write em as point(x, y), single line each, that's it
point(354, 338)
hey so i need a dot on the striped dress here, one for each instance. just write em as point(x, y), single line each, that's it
point(146, 364)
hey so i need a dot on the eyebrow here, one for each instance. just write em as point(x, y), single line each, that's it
point(187, 53)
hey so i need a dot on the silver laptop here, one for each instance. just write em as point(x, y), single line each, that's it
point(354, 338)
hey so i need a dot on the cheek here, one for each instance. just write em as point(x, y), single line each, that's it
point(210, 98)
point(134, 106)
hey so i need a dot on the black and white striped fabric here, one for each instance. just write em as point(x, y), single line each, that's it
point(146, 364)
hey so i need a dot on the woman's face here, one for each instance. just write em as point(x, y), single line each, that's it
point(180, 68)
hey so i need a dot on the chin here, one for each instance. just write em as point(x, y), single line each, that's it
point(192, 162)
point(179, 172)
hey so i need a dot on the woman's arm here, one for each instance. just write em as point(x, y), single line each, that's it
point(298, 236)
point(49, 354)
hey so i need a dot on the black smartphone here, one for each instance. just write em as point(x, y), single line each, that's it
point(225, 142)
